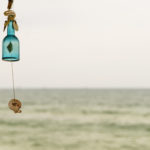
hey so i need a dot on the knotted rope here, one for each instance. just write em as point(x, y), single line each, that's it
point(10, 17)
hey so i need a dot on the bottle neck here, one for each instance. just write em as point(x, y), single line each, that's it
point(10, 29)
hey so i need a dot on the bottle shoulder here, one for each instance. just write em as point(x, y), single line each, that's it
point(10, 37)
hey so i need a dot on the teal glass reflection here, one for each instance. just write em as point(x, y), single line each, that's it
point(10, 46)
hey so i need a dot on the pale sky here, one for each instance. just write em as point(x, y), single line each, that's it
point(80, 43)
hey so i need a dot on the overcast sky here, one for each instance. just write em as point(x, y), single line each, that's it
point(80, 43)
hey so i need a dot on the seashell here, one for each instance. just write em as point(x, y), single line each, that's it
point(15, 105)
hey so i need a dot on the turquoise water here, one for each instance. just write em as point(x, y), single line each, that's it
point(74, 119)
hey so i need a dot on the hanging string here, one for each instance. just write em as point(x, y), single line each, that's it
point(11, 15)
point(10, 2)
point(13, 83)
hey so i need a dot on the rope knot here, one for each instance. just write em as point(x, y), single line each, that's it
point(10, 17)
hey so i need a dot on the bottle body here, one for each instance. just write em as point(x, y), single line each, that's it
point(10, 46)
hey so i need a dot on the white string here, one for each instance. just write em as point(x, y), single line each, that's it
point(13, 83)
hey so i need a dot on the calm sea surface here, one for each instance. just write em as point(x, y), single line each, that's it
point(79, 96)
point(71, 119)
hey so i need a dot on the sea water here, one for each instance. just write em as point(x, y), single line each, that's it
point(76, 119)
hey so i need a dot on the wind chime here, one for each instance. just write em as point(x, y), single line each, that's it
point(11, 50)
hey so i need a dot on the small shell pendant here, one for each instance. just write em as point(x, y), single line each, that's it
point(15, 105)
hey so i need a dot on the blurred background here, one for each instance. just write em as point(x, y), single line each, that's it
point(83, 77)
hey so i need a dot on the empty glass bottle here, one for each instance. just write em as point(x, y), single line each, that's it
point(10, 47)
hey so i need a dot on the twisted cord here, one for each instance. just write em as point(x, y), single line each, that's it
point(13, 81)
point(10, 16)
point(10, 3)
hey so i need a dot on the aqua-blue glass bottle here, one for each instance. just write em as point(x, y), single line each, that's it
point(10, 46)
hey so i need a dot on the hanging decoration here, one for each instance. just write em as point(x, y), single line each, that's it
point(11, 50)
